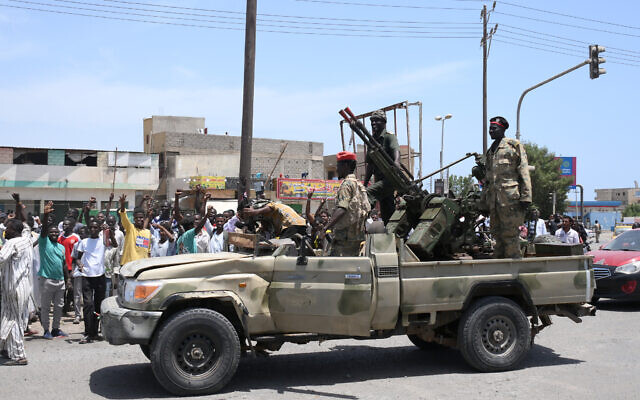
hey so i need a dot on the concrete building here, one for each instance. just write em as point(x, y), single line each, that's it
point(186, 150)
point(624, 195)
point(69, 177)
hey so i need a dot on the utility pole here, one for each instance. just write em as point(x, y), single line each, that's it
point(484, 79)
point(486, 46)
point(244, 182)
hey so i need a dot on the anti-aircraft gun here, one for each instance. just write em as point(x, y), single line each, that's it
point(443, 226)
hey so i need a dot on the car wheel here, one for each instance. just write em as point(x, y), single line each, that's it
point(494, 334)
point(146, 350)
point(423, 344)
point(195, 352)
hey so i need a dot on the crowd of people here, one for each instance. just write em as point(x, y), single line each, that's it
point(50, 268)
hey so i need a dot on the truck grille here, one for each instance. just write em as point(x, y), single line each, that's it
point(387, 272)
point(601, 272)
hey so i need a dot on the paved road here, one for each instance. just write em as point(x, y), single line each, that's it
point(595, 359)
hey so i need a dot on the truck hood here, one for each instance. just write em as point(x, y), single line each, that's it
point(133, 268)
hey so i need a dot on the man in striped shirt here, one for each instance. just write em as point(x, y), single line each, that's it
point(16, 258)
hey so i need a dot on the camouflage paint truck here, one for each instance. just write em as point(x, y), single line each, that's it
point(194, 315)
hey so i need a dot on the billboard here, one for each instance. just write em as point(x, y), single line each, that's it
point(208, 182)
point(568, 168)
point(297, 189)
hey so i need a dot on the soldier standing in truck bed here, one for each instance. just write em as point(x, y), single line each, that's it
point(508, 192)
point(352, 209)
point(381, 190)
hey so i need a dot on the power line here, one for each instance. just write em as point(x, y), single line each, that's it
point(232, 23)
point(556, 52)
point(353, 3)
point(568, 25)
point(568, 39)
point(232, 28)
point(263, 19)
point(569, 15)
point(565, 48)
point(286, 16)
point(581, 45)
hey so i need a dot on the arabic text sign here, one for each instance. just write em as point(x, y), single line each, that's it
point(208, 182)
point(297, 189)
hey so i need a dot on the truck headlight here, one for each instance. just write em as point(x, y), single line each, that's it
point(630, 268)
point(140, 291)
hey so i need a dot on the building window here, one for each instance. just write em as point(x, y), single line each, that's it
point(30, 156)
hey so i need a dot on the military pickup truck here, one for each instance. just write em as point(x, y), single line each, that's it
point(195, 315)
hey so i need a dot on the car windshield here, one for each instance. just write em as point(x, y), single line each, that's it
point(627, 241)
point(621, 229)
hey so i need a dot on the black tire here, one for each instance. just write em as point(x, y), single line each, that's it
point(211, 361)
point(424, 345)
point(494, 334)
point(146, 350)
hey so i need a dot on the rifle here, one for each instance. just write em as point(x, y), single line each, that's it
point(399, 178)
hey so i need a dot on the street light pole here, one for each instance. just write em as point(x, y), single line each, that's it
point(439, 118)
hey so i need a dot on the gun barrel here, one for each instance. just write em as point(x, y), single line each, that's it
point(446, 166)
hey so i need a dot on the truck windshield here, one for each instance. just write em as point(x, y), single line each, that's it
point(629, 240)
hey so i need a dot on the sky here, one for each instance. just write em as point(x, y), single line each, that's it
point(76, 81)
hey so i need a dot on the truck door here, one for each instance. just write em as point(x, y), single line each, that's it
point(330, 295)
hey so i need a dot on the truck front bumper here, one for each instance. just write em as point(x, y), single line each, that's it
point(123, 325)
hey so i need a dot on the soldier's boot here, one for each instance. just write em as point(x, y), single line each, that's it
point(512, 247)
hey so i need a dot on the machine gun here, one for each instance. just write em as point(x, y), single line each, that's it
point(442, 225)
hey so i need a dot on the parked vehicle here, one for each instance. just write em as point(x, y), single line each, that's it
point(617, 267)
point(193, 315)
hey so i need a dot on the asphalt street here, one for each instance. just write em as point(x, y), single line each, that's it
point(596, 359)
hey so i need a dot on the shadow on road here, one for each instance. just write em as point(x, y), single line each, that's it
point(295, 373)
point(618, 305)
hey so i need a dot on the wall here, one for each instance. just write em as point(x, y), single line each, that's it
point(171, 124)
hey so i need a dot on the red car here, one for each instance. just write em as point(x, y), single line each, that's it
point(616, 267)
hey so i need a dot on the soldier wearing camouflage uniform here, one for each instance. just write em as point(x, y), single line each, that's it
point(508, 189)
point(352, 208)
point(380, 190)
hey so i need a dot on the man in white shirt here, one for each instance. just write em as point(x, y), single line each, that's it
point(91, 255)
point(536, 226)
point(566, 234)
point(216, 243)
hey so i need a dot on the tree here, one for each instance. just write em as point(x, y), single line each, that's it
point(546, 179)
point(461, 185)
point(632, 210)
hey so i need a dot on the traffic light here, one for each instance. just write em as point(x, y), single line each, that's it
point(594, 68)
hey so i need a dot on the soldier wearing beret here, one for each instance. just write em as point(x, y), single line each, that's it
point(508, 189)
point(381, 190)
point(352, 209)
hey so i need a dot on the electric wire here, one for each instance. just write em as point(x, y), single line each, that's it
point(232, 23)
point(556, 52)
point(565, 38)
point(264, 19)
point(353, 3)
point(565, 24)
point(568, 15)
point(581, 45)
point(232, 28)
point(565, 48)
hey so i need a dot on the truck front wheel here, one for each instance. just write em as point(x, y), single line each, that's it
point(196, 351)
point(494, 334)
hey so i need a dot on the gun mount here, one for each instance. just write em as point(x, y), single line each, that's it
point(442, 225)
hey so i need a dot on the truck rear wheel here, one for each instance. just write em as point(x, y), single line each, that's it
point(494, 334)
point(195, 352)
